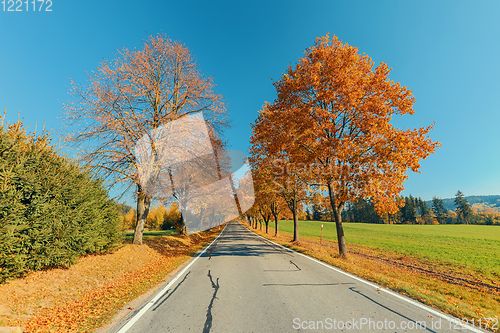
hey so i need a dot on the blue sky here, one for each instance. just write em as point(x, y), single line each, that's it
point(447, 52)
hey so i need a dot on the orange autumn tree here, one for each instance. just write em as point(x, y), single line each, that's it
point(129, 97)
point(263, 199)
point(268, 201)
point(338, 108)
point(275, 168)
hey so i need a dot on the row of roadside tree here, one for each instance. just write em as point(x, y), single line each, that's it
point(329, 132)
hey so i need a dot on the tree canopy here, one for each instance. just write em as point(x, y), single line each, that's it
point(126, 99)
point(333, 111)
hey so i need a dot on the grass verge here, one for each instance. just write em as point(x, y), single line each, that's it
point(88, 294)
point(441, 285)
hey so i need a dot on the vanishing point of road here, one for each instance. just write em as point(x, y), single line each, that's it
point(244, 283)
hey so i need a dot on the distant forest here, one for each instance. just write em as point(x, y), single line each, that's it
point(483, 209)
point(492, 201)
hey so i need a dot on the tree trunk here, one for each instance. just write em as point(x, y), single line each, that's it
point(267, 226)
point(275, 226)
point(143, 202)
point(295, 222)
point(340, 233)
point(337, 215)
point(183, 229)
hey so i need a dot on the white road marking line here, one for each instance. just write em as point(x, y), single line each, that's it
point(390, 292)
point(146, 307)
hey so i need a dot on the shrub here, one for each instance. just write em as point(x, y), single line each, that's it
point(51, 210)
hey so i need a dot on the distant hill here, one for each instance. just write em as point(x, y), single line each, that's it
point(484, 203)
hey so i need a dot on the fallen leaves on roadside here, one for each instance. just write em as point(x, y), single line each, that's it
point(89, 293)
point(406, 275)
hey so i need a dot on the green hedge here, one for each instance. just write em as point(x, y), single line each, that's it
point(51, 211)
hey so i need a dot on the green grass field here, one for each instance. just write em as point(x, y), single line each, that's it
point(475, 247)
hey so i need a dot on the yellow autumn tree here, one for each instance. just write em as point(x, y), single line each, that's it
point(129, 220)
point(172, 219)
point(156, 217)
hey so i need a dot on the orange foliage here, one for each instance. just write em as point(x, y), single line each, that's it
point(89, 293)
point(331, 121)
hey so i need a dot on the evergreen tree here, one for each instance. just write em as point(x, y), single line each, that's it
point(408, 211)
point(439, 210)
point(363, 211)
point(464, 212)
point(51, 210)
point(423, 210)
point(317, 212)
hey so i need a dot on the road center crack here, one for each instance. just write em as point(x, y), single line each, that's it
point(208, 321)
point(291, 262)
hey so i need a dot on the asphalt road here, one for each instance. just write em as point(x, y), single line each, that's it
point(244, 283)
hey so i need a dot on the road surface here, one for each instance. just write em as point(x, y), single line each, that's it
point(244, 283)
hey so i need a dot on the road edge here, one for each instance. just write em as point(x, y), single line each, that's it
point(120, 322)
point(379, 288)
